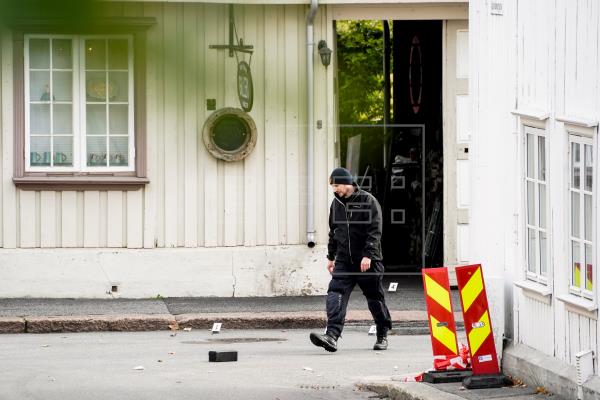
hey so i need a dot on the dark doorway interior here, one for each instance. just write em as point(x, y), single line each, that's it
point(390, 104)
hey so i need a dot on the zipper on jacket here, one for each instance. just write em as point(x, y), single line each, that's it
point(348, 226)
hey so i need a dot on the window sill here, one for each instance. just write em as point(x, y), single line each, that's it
point(535, 290)
point(80, 182)
point(579, 305)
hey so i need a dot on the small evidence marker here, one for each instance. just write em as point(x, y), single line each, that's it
point(222, 356)
point(373, 330)
point(216, 328)
point(393, 286)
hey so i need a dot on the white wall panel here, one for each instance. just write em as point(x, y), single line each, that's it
point(462, 54)
point(463, 118)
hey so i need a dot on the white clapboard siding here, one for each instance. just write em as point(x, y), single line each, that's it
point(190, 113)
point(3, 85)
point(210, 164)
point(48, 219)
point(9, 194)
point(153, 87)
point(114, 237)
point(194, 200)
point(536, 317)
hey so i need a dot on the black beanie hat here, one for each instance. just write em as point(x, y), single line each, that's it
point(341, 176)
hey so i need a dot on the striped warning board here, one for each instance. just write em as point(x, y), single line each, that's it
point(439, 312)
point(477, 319)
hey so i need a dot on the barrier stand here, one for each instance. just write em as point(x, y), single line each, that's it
point(478, 326)
point(442, 326)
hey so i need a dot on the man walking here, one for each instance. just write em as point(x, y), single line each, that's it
point(354, 257)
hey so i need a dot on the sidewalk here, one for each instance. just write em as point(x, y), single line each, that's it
point(27, 315)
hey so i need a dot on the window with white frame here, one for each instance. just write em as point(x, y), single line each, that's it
point(581, 167)
point(536, 192)
point(79, 103)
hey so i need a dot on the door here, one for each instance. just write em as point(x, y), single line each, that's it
point(457, 136)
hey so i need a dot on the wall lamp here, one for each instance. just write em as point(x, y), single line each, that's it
point(324, 52)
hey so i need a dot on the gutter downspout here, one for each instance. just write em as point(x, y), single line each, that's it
point(310, 47)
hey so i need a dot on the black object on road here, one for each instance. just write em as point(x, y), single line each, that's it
point(222, 356)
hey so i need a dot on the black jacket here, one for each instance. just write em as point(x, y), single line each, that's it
point(355, 225)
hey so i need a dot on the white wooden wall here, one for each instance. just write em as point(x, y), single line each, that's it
point(193, 200)
point(550, 53)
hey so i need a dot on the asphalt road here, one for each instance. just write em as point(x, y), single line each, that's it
point(273, 364)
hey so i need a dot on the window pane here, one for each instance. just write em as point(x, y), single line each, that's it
point(530, 155)
point(575, 165)
point(589, 162)
point(39, 86)
point(118, 89)
point(575, 231)
point(542, 158)
point(587, 216)
point(96, 119)
point(117, 54)
point(62, 86)
point(542, 205)
point(589, 269)
point(96, 151)
point(531, 246)
point(530, 203)
point(543, 250)
point(95, 54)
point(39, 53)
point(63, 119)
point(118, 119)
point(40, 151)
point(576, 263)
point(63, 151)
point(61, 54)
point(95, 88)
point(39, 119)
point(119, 151)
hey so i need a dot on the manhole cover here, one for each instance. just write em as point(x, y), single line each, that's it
point(234, 340)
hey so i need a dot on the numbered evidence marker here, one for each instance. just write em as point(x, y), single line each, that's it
point(216, 328)
point(393, 286)
point(373, 330)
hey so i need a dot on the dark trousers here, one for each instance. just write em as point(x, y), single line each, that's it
point(344, 278)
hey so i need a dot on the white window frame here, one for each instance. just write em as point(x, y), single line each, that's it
point(79, 102)
point(583, 138)
point(536, 132)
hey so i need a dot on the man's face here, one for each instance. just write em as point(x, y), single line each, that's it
point(342, 190)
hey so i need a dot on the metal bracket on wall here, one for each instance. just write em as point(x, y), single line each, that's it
point(233, 47)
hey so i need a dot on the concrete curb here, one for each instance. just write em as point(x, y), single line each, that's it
point(159, 322)
point(12, 325)
point(408, 391)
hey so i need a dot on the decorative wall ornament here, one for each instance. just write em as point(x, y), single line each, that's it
point(244, 75)
point(229, 134)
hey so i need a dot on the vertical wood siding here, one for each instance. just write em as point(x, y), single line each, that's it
point(556, 48)
point(536, 325)
point(194, 200)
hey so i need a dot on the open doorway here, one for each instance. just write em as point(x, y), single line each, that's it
point(391, 139)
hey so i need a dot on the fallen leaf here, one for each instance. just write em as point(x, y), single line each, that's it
point(45, 345)
point(139, 368)
point(308, 369)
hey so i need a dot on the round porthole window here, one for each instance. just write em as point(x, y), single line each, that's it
point(229, 134)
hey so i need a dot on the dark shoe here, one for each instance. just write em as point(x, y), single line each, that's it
point(381, 343)
point(325, 341)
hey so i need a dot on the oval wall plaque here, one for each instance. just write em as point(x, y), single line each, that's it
point(245, 86)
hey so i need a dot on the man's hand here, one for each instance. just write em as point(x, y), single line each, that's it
point(330, 265)
point(365, 264)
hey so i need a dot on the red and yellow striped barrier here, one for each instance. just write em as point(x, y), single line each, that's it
point(439, 312)
point(478, 325)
